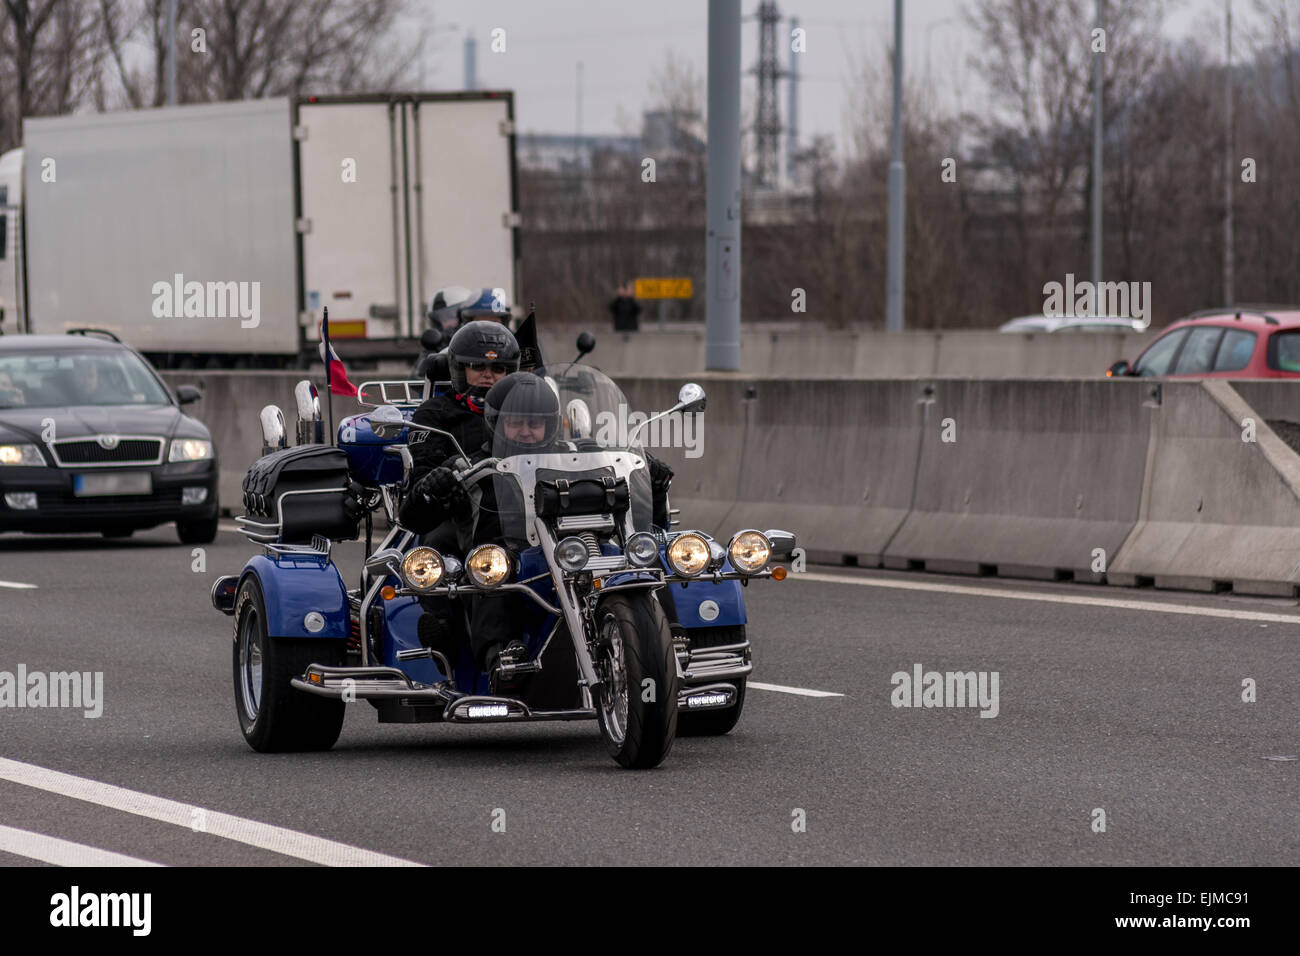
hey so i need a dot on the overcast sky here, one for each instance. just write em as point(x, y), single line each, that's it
point(621, 43)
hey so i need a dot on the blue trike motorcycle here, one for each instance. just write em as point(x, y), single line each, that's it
point(638, 627)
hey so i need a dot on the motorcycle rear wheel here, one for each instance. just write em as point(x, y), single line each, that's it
point(637, 702)
point(274, 717)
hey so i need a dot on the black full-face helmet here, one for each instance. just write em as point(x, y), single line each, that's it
point(523, 413)
point(482, 343)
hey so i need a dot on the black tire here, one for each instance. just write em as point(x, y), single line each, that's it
point(715, 723)
point(637, 623)
point(280, 719)
point(202, 531)
point(112, 533)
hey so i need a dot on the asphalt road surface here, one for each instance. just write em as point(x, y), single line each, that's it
point(1127, 702)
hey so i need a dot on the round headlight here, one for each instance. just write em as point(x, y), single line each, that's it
point(571, 554)
point(642, 550)
point(422, 569)
point(688, 554)
point(488, 565)
point(749, 552)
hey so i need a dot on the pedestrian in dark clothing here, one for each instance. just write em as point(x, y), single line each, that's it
point(624, 309)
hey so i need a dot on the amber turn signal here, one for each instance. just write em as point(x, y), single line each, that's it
point(778, 574)
point(388, 592)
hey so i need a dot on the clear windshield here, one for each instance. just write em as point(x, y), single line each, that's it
point(567, 423)
point(99, 377)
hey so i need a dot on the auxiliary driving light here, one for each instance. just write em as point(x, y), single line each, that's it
point(422, 569)
point(488, 565)
point(749, 551)
point(642, 550)
point(571, 554)
point(688, 554)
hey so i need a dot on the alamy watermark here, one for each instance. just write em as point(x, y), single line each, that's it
point(922, 688)
point(1130, 300)
point(179, 299)
point(71, 689)
point(674, 430)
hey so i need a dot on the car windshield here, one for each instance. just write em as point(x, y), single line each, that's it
point(71, 377)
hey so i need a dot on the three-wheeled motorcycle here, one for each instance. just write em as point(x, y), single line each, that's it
point(639, 627)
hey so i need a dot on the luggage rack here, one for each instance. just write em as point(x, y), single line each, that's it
point(268, 533)
point(404, 393)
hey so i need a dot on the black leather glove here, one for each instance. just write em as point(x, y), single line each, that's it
point(354, 501)
point(661, 476)
point(440, 485)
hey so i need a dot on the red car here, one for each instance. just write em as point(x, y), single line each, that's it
point(1238, 342)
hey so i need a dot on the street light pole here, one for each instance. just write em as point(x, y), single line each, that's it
point(1097, 71)
point(722, 203)
point(897, 182)
point(1230, 171)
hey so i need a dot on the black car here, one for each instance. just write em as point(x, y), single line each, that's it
point(91, 439)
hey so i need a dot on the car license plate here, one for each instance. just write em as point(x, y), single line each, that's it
point(112, 483)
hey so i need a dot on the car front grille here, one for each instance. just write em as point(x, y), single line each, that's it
point(70, 452)
point(125, 506)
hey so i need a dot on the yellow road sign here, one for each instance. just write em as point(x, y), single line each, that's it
point(664, 289)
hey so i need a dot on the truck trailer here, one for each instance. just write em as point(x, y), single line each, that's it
point(213, 235)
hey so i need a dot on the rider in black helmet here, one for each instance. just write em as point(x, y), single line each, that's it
point(522, 413)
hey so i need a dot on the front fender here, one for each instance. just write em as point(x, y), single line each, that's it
point(294, 586)
point(693, 611)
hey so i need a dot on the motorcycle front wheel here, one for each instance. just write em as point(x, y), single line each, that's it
point(637, 702)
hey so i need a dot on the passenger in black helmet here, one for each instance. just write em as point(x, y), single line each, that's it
point(481, 353)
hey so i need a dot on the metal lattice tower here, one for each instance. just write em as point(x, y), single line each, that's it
point(767, 123)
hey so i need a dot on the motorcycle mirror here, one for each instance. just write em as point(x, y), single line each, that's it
point(586, 342)
point(438, 368)
point(691, 398)
point(579, 417)
point(431, 340)
point(385, 559)
point(387, 422)
point(272, 429)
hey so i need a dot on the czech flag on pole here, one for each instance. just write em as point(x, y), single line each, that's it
point(335, 375)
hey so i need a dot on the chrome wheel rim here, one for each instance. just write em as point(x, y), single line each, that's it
point(613, 699)
point(250, 664)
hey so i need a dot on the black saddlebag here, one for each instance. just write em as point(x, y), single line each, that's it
point(305, 468)
point(560, 493)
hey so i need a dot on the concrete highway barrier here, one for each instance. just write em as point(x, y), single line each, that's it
point(1220, 505)
point(836, 354)
point(1128, 482)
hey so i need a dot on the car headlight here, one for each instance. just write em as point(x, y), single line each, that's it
point(190, 449)
point(20, 455)
point(488, 565)
point(642, 550)
point(688, 554)
point(749, 551)
point(571, 554)
point(422, 569)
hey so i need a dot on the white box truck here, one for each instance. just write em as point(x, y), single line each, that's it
point(214, 234)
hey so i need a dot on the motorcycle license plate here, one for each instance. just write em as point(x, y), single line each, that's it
point(112, 483)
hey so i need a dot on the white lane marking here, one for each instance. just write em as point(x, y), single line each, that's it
point(1082, 599)
point(48, 849)
point(17, 584)
point(303, 846)
point(801, 691)
point(228, 526)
